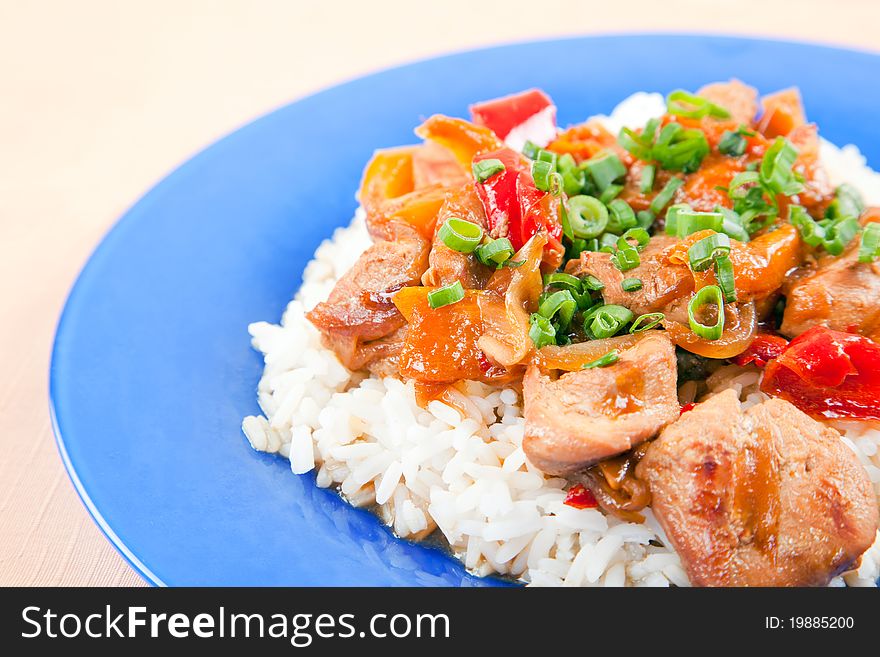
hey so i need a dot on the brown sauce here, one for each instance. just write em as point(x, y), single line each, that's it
point(381, 299)
point(630, 385)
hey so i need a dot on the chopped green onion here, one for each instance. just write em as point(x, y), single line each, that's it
point(645, 219)
point(847, 202)
point(869, 249)
point(530, 150)
point(566, 223)
point(725, 278)
point(541, 331)
point(687, 222)
point(460, 235)
point(562, 303)
point(776, 168)
point(565, 281)
point(606, 321)
point(834, 235)
point(750, 200)
point(703, 252)
point(626, 259)
point(731, 224)
point(691, 106)
point(664, 196)
point(671, 220)
point(587, 216)
point(621, 217)
point(811, 232)
point(572, 181)
point(586, 301)
point(631, 284)
point(604, 169)
point(639, 145)
point(590, 282)
point(607, 242)
point(578, 246)
point(575, 246)
point(565, 161)
point(742, 179)
point(485, 169)
point(573, 178)
point(495, 253)
point(446, 295)
point(680, 149)
point(732, 143)
point(709, 295)
point(541, 172)
point(646, 183)
point(840, 233)
point(547, 156)
point(640, 235)
point(608, 359)
point(646, 322)
point(611, 192)
point(556, 184)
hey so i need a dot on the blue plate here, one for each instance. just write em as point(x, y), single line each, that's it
point(152, 369)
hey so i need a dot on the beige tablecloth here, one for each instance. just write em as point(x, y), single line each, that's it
point(99, 99)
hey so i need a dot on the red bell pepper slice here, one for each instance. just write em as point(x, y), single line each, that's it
point(765, 347)
point(514, 207)
point(828, 374)
point(580, 497)
point(501, 115)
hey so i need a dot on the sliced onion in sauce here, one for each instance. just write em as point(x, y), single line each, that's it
point(573, 357)
point(505, 338)
point(739, 331)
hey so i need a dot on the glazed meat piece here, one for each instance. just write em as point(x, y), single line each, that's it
point(841, 294)
point(448, 265)
point(738, 98)
point(380, 356)
point(765, 497)
point(359, 310)
point(662, 282)
point(588, 415)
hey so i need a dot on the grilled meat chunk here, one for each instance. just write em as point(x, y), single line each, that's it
point(588, 415)
point(765, 497)
point(359, 310)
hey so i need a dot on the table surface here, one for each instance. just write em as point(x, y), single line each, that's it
point(99, 99)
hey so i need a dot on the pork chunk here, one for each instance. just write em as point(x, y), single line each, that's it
point(448, 265)
point(662, 282)
point(588, 415)
point(765, 497)
point(738, 98)
point(359, 312)
point(841, 294)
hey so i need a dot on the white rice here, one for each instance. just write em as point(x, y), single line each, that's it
point(467, 476)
